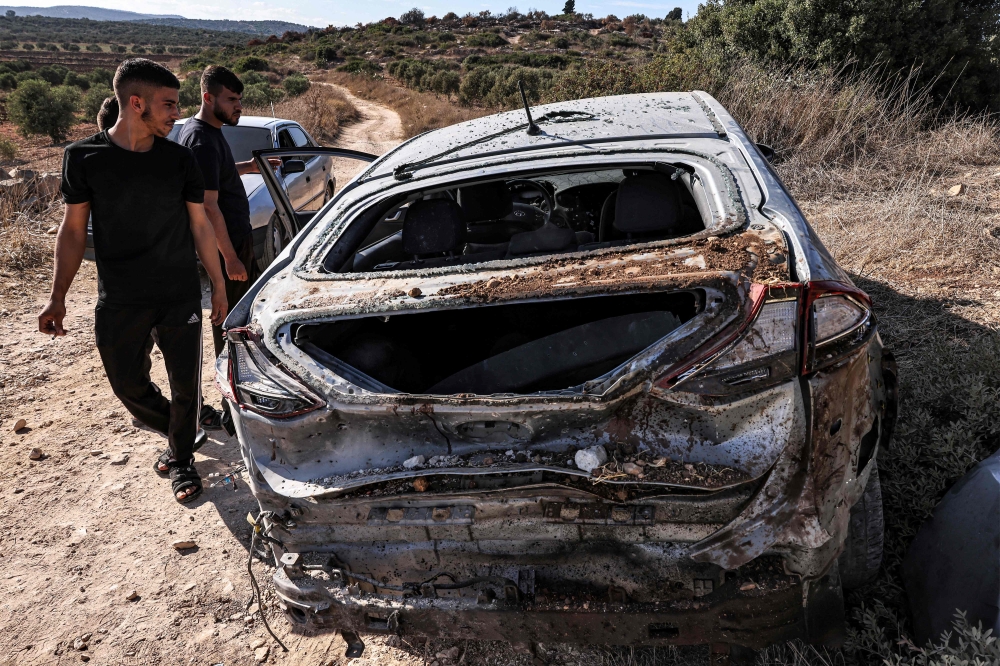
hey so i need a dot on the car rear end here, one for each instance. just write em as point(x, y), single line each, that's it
point(638, 444)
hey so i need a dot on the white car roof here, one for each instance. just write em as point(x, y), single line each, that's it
point(253, 121)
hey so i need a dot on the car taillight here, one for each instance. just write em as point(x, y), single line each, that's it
point(260, 385)
point(839, 320)
point(792, 329)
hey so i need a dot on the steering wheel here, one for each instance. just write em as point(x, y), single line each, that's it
point(549, 203)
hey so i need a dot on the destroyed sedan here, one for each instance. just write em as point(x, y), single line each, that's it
point(587, 379)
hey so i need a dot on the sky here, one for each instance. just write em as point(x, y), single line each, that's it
point(321, 13)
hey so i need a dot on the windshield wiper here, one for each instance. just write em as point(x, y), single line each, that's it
point(405, 171)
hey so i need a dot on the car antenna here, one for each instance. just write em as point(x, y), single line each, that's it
point(532, 127)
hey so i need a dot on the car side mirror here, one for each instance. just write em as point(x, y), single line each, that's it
point(293, 166)
point(766, 151)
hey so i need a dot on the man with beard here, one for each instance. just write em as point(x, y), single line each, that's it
point(225, 198)
point(145, 197)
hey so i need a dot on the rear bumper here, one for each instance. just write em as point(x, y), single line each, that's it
point(777, 608)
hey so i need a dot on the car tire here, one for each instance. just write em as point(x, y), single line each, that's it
point(862, 556)
point(275, 240)
point(328, 192)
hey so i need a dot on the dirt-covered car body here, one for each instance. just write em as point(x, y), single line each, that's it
point(421, 378)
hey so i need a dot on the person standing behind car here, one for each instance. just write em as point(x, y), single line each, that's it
point(225, 198)
point(108, 115)
point(145, 196)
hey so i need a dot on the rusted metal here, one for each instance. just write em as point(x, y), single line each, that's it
point(724, 504)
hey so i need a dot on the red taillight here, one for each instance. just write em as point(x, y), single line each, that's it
point(789, 329)
point(259, 383)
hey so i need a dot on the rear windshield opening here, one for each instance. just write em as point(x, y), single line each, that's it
point(519, 348)
point(542, 215)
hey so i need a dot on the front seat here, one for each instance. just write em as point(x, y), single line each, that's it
point(432, 232)
point(646, 204)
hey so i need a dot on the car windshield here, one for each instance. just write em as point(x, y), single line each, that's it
point(244, 140)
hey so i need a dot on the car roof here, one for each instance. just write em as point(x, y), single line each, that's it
point(637, 117)
point(253, 121)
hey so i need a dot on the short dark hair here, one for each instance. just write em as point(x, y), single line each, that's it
point(215, 77)
point(108, 115)
point(137, 73)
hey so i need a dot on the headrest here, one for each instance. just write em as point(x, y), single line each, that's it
point(432, 226)
point(489, 201)
point(647, 202)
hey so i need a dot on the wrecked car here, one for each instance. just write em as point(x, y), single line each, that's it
point(590, 378)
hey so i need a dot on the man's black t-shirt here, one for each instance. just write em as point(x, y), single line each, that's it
point(218, 168)
point(142, 234)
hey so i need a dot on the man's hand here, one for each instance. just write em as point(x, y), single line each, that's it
point(50, 321)
point(220, 307)
point(236, 270)
point(250, 166)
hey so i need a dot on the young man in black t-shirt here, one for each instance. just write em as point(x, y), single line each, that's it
point(225, 197)
point(144, 195)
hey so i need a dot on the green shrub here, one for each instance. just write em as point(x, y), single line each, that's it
point(95, 48)
point(72, 47)
point(136, 48)
point(75, 79)
point(360, 66)
point(190, 92)
point(8, 81)
point(99, 75)
point(251, 78)
point(620, 40)
point(29, 76)
point(485, 39)
point(28, 46)
point(561, 43)
point(8, 149)
point(261, 95)
point(54, 74)
point(93, 99)
point(497, 86)
point(38, 108)
point(295, 85)
point(445, 37)
point(251, 64)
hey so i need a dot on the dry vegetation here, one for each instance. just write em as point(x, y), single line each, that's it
point(418, 111)
point(322, 110)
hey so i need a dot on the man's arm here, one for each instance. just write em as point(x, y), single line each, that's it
point(250, 166)
point(205, 245)
point(71, 243)
point(234, 267)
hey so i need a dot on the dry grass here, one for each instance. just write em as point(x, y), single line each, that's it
point(322, 110)
point(419, 112)
point(24, 244)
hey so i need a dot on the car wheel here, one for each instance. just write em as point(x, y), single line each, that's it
point(862, 556)
point(328, 193)
point(275, 240)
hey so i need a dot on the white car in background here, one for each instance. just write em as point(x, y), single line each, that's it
point(308, 182)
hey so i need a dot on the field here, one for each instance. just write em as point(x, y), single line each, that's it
point(903, 191)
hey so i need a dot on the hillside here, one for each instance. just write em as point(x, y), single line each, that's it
point(79, 12)
point(68, 34)
point(257, 28)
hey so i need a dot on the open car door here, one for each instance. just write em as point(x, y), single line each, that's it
point(344, 165)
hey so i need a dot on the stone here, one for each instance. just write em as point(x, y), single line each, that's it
point(19, 424)
point(415, 292)
point(96, 452)
point(448, 655)
point(957, 190)
point(36, 454)
point(632, 469)
point(184, 544)
point(47, 185)
point(132, 595)
point(80, 644)
point(53, 230)
point(253, 609)
point(260, 654)
point(493, 283)
point(119, 459)
point(414, 462)
point(590, 459)
point(420, 485)
point(23, 174)
point(746, 587)
point(257, 643)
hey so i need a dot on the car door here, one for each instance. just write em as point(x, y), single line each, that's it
point(296, 184)
point(290, 219)
point(314, 175)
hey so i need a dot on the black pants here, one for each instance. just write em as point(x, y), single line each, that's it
point(235, 290)
point(125, 338)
